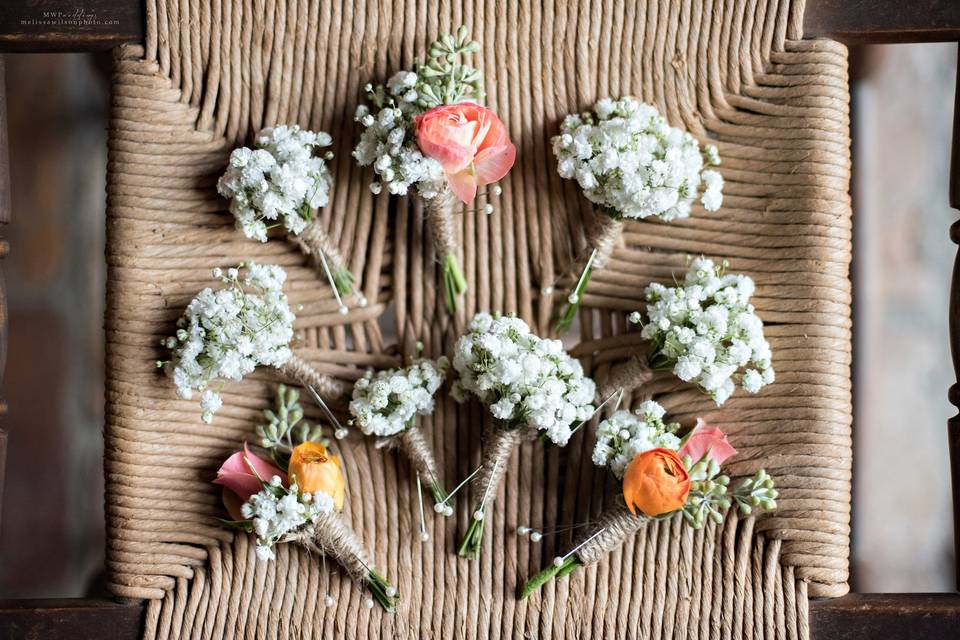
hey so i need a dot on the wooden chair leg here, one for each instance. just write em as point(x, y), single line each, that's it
point(953, 425)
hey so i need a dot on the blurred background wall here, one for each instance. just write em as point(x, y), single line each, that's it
point(51, 530)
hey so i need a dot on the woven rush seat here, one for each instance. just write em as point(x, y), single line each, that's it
point(735, 73)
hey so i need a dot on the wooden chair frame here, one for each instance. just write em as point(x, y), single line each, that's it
point(892, 616)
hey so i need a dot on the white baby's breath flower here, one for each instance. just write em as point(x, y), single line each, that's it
point(276, 511)
point(386, 403)
point(633, 164)
point(225, 334)
point(707, 331)
point(524, 379)
point(624, 435)
point(279, 182)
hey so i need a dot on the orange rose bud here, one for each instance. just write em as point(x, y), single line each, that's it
point(656, 482)
point(315, 471)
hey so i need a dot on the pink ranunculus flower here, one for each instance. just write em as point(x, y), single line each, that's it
point(706, 439)
point(239, 477)
point(471, 144)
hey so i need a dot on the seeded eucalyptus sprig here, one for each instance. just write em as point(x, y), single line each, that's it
point(286, 427)
point(710, 496)
point(445, 78)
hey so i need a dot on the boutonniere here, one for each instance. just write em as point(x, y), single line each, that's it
point(531, 387)
point(299, 505)
point(387, 404)
point(632, 164)
point(426, 129)
point(225, 334)
point(660, 475)
point(705, 331)
point(282, 182)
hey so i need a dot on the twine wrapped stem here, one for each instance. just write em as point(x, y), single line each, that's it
point(498, 445)
point(602, 237)
point(414, 445)
point(628, 376)
point(438, 214)
point(333, 537)
point(314, 243)
point(611, 530)
point(298, 370)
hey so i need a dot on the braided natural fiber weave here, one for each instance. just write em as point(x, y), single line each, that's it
point(736, 72)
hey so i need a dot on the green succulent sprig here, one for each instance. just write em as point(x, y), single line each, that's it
point(711, 496)
point(285, 427)
point(445, 78)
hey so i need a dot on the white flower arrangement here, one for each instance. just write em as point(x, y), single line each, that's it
point(524, 380)
point(388, 141)
point(631, 163)
point(707, 331)
point(281, 181)
point(387, 403)
point(629, 160)
point(624, 434)
point(277, 511)
point(226, 334)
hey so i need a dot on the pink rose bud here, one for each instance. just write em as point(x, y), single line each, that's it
point(705, 439)
point(470, 143)
point(241, 475)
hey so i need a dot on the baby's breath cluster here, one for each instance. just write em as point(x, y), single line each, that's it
point(281, 181)
point(707, 331)
point(277, 510)
point(388, 142)
point(624, 434)
point(524, 380)
point(225, 334)
point(629, 161)
point(388, 402)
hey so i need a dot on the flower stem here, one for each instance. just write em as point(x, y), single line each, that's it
point(454, 283)
point(378, 586)
point(343, 280)
point(439, 493)
point(553, 571)
point(576, 296)
point(470, 547)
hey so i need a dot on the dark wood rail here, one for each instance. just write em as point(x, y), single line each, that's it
point(38, 26)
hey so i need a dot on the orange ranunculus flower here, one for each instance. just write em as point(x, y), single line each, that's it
point(656, 482)
point(316, 471)
point(470, 142)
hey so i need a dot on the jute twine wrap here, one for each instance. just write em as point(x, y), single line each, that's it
point(629, 376)
point(333, 537)
point(603, 236)
point(734, 73)
point(438, 215)
point(614, 527)
point(498, 446)
point(313, 241)
point(413, 443)
point(298, 370)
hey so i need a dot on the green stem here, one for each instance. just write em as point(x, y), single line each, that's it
point(343, 280)
point(470, 547)
point(553, 571)
point(570, 310)
point(378, 586)
point(439, 493)
point(454, 283)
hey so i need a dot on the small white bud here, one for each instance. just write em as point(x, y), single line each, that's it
point(625, 435)
point(536, 536)
point(558, 561)
point(573, 298)
point(478, 515)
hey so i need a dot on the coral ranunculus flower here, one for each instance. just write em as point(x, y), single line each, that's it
point(315, 470)
point(242, 475)
point(656, 482)
point(705, 439)
point(470, 142)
